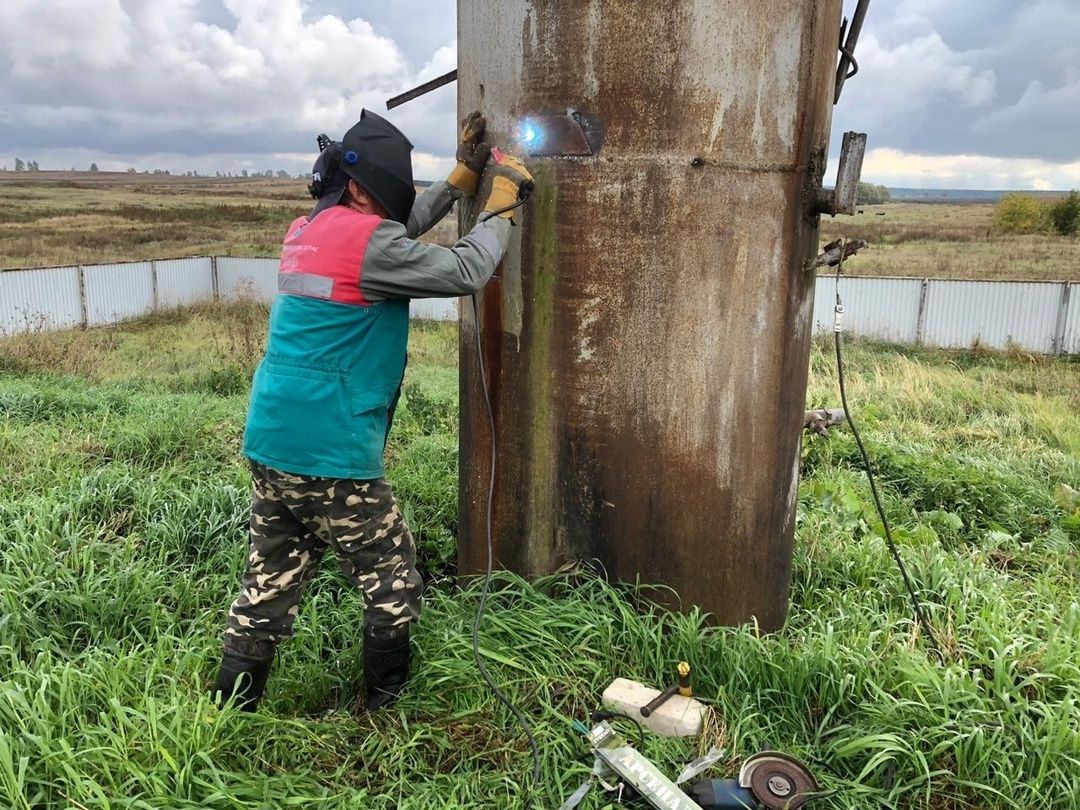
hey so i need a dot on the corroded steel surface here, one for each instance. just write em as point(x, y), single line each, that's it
point(647, 339)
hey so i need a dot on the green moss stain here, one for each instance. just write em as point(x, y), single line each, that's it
point(541, 240)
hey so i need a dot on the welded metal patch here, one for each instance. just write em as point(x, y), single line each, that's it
point(572, 135)
point(852, 153)
point(843, 198)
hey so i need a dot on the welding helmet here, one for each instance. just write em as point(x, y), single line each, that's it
point(376, 155)
point(328, 181)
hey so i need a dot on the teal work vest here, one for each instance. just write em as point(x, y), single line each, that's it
point(322, 396)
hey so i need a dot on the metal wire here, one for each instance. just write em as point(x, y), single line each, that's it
point(518, 714)
point(849, 38)
point(920, 614)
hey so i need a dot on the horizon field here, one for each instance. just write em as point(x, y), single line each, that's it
point(63, 218)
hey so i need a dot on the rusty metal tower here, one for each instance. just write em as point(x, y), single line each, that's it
point(647, 338)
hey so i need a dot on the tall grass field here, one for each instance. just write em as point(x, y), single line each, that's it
point(123, 508)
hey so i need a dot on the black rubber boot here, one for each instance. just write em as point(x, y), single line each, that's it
point(386, 668)
point(242, 677)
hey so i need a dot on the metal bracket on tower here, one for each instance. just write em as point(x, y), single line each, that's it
point(845, 196)
point(836, 252)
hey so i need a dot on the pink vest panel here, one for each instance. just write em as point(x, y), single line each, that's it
point(322, 257)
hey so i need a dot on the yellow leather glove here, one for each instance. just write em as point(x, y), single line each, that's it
point(510, 183)
point(472, 154)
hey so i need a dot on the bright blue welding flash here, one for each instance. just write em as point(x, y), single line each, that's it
point(530, 135)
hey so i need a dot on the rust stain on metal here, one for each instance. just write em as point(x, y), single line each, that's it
point(650, 400)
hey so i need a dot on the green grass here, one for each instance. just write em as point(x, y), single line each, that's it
point(123, 504)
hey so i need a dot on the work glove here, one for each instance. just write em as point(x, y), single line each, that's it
point(472, 154)
point(511, 182)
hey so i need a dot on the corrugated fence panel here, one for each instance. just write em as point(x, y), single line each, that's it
point(434, 309)
point(254, 279)
point(956, 315)
point(115, 292)
point(45, 298)
point(959, 313)
point(181, 282)
point(1072, 321)
point(824, 301)
point(882, 308)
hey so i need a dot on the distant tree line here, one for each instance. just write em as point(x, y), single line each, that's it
point(32, 166)
point(869, 194)
point(1023, 213)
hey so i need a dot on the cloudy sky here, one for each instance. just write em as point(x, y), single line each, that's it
point(954, 93)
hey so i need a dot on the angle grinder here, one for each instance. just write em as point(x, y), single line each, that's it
point(770, 780)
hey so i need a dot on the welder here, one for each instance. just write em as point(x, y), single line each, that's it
point(323, 396)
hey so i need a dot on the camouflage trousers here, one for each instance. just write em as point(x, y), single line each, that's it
point(294, 519)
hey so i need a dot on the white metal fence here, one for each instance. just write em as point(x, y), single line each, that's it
point(97, 294)
point(1039, 317)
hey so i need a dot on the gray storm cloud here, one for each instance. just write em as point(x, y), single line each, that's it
point(996, 79)
point(151, 76)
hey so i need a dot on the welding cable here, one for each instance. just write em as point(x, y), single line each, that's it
point(920, 613)
point(486, 215)
point(533, 747)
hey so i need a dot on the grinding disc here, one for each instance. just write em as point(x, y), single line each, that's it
point(778, 781)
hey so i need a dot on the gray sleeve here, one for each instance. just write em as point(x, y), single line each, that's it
point(396, 266)
point(430, 207)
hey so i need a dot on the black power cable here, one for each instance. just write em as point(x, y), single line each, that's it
point(599, 715)
point(920, 613)
point(486, 215)
point(534, 748)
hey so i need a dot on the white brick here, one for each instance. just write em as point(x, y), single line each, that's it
point(678, 716)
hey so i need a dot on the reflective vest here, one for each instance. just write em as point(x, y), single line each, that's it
point(323, 394)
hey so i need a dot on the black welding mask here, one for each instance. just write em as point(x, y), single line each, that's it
point(376, 155)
